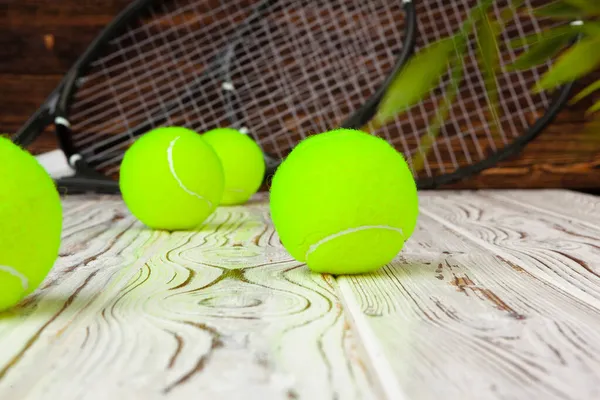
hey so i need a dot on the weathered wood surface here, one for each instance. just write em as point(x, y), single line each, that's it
point(496, 296)
point(40, 40)
point(490, 300)
point(222, 313)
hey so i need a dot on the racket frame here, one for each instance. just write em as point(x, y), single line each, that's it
point(359, 117)
point(52, 111)
point(55, 109)
point(559, 100)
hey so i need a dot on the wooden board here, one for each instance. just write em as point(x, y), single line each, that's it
point(496, 296)
point(214, 314)
point(489, 300)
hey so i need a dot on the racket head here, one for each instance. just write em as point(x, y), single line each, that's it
point(170, 63)
point(211, 59)
point(138, 74)
point(310, 66)
point(470, 138)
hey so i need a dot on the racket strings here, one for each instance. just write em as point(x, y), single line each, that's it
point(303, 68)
point(467, 135)
point(307, 76)
point(147, 68)
point(142, 58)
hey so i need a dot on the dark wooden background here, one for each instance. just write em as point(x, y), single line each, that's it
point(40, 39)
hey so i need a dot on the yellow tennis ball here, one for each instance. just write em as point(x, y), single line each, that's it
point(30, 223)
point(243, 163)
point(344, 202)
point(171, 179)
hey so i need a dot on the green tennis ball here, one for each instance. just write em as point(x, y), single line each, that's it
point(243, 163)
point(344, 202)
point(171, 179)
point(30, 223)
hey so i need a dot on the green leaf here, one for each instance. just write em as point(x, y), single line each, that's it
point(589, 7)
point(586, 92)
point(559, 10)
point(487, 31)
point(594, 108)
point(443, 111)
point(508, 13)
point(488, 56)
point(591, 28)
point(540, 52)
point(567, 31)
point(460, 47)
point(421, 74)
point(574, 63)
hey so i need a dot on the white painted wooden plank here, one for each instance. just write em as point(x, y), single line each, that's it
point(223, 313)
point(223, 309)
point(90, 262)
point(376, 355)
point(580, 207)
point(457, 320)
point(558, 250)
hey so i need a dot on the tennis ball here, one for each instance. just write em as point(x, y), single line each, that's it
point(171, 179)
point(243, 163)
point(30, 223)
point(344, 202)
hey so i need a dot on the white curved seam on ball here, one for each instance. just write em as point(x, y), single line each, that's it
point(172, 168)
point(313, 247)
point(14, 272)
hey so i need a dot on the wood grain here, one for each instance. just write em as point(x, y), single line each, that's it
point(558, 250)
point(585, 209)
point(220, 313)
point(495, 296)
point(487, 301)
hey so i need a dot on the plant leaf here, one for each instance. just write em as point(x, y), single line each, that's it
point(586, 92)
point(559, 10)
point(574, 63)
point(594, 108)
point(540, 52)
point(589, 7)
point(487, 32)
point(433, 130)
point(419, 77)
point(570, 31)
point(460, 47)
point(591, 28)
point(509, 12)
point(488, 56)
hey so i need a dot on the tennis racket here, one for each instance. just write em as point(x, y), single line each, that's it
point(469, 138)
point(259, 66)
point(283, 92)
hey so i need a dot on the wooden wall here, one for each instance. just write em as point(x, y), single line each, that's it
point(40, 39)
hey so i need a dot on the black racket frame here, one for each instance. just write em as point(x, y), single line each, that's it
point(55, 109)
